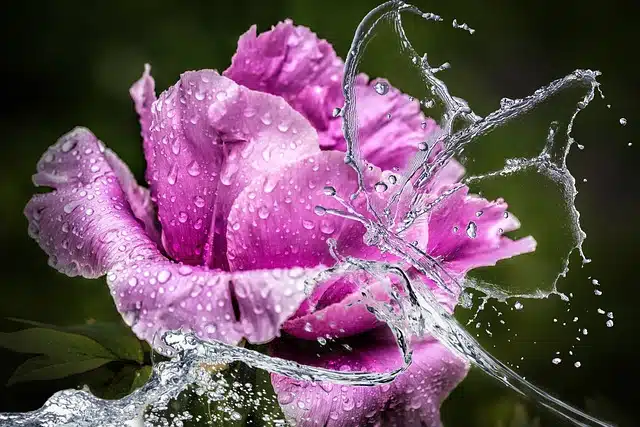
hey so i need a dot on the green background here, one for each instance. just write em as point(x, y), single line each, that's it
point(69, 63)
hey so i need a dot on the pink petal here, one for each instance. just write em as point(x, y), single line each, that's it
point(412, 399)
point(88, 228)
point(290, 61)
point(208, 137)
point(143, 94)
point(273, 222)
point(465, 231)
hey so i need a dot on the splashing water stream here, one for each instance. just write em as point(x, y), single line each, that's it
point(417, 313)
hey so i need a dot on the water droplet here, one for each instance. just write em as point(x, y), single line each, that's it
point(175, 147)
point(336, 112)
point(193, 168)
point(329, 191)
point(164, 276)
point(380, 187)
point(172, 177)
point(133, 281)
point(308, 224)
point(556, 360)
point(221, 96)
point(609, 323)
point(283, 127)
point(266, 119)
point(319, 210)
point(423, 146)
point(381, 87)
point(68, 145)
point(198, 201)
point(518, 305)
point(472, 230)
point(623, 121)
point(393, 179)
point(183, 217)
point(308, 327)
point(327, 227)
point(185, 270)
point(199, 96)
point(577, 364)
point(235, 415)
point(263, 212)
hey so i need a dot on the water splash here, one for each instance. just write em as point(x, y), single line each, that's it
point(417, 313)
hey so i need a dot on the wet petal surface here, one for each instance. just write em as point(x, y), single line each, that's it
point(87, 227)
point(208, 138)
point(412, 399)
point(290, 61)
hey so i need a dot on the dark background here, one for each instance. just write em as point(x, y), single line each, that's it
point(69, 63)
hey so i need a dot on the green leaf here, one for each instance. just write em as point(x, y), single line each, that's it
point(46, 368)
point(141, 378)
point(115, 337)
point(55, 344)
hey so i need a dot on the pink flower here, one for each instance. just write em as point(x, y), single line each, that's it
point(236, 164)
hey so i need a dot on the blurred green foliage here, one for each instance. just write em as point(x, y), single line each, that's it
point(71, 63)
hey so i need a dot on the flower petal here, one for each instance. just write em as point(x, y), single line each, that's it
point(273, 223)
point(87, 227)
point(209, 137)
point(465, 231)
point(412, 399)
point(143, 94)
point(290, 61)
